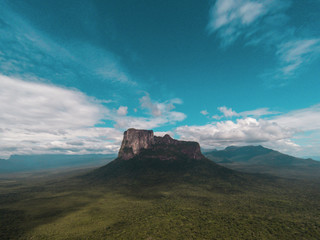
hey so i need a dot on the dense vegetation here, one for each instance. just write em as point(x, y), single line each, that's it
point(172, 205)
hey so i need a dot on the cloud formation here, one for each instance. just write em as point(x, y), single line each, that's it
point(306, 119)
point(264, 23)
point(295, 53)
point(241, 132)
point(122, 110)
point(158, 114)
point(227, 112)
point(42, 118)
point(281, 131)
point(43, 106)
point(204, 112)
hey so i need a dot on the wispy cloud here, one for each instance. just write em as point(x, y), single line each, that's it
point(229, 113)
point(306, 119)
point(295, 53)
point(258, 112)
point(28, 52)
point(264, 23)
point(234, 18)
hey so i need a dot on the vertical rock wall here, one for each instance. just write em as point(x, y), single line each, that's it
point(163, 148)
point(133, 141)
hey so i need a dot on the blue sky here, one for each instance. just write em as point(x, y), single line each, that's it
point(75, 74)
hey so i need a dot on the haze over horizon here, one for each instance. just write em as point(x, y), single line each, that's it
point(75, 74)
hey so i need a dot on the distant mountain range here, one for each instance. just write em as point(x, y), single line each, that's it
point(22, 163)
point(257, 159)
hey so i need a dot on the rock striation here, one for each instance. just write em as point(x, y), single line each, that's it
point(143, 143)
point(133, 141)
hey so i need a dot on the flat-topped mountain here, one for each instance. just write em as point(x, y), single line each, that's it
point(147, 159)
point(164, 148)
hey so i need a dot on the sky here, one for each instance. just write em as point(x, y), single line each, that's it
point(75, 74)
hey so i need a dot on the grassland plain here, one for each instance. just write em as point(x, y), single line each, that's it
point(63, 207)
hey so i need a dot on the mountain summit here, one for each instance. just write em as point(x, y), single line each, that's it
point(150, 160)
point(143, 142)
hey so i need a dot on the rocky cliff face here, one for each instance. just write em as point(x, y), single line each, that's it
point(133, 141)
point(144, 143)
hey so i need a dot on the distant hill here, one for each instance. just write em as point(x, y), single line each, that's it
point(314, 157)
point(21, 163)
point(258, 159)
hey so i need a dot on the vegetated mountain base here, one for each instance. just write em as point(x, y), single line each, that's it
point(76, 208)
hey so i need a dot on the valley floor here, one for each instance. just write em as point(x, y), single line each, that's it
point(69, 208)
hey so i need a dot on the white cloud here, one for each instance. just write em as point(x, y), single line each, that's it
point(43, 106)
point(242, 132)
point(42, 118)
point(204, 112)
point(294, 132)
point(227, 112)
point(161, 113)
point(122, 110)
point(217, 117)
point(307, 119)
point(161, 134)
point(69, 141)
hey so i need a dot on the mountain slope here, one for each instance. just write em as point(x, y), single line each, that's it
point(147, 160)
point(257, 159)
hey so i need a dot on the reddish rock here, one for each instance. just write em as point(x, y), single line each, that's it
point(143, 143)
point(133, 141)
